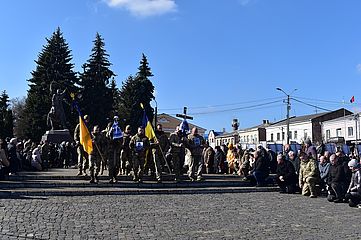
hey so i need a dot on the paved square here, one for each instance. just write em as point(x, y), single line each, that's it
point(267, 215)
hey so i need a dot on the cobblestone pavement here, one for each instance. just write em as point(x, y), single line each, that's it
point(267, 215)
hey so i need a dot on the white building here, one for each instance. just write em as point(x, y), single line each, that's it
point(346, 127)
point(212, 138)
point(302, 128)
point(253, 135)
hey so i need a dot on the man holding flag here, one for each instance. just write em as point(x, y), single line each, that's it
point(83, 141)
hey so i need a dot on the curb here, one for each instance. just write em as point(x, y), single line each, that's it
point(96, 192)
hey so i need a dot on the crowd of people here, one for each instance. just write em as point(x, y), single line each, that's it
point(311, 171)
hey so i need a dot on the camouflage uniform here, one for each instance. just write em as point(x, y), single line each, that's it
point(176, 149)
point(116, 140)
point(308, 177)
point(158, 150)
point(125, 155)
point(96, 156)
point(195, 144)
point(139, 144)
point(83, 158)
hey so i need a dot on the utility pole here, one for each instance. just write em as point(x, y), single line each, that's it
point(288, 112)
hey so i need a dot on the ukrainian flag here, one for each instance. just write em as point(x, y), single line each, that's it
point(85, 137)
point(148, 129)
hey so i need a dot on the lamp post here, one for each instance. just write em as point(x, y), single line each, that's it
point(288, 112)
point(155, 113)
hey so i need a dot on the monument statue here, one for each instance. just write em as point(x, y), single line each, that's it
point(57, 112)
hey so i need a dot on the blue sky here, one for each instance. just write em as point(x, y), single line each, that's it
point(223, 59)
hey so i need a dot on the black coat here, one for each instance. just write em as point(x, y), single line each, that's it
point(287, 170)
point(336, 174)
point(261, 164)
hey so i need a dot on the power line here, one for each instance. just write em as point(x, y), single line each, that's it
point(311, 105)
point(235, 109)
point(221, 105)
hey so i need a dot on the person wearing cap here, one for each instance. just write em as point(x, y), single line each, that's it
point(139, 144)
point(309, 175)
point(354, 190)
point(83, 158)
point(115, 135)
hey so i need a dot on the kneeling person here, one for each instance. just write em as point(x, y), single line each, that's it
point(286, 175)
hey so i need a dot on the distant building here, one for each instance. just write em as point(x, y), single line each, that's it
point(169, 123)
point(212, 138)
point(303, 127)
point(227, 138)
point(346, 127)
point(254, 135)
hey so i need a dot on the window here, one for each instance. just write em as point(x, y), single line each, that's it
point(247, 138)
point(271, 137)
point(328, 134)
point(305, 134)
point(278, 136)
point(350, 131)
point(295, 135)
point(283, 136)
point(338, 132)
point(290, 134)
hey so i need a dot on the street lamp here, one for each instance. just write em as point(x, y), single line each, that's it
point(288, 112)
point(156, 113)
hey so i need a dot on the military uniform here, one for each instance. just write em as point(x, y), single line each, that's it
point(96, 155)
point(139, 144)
point(83, 158)
point(177, 151)
point(158, 150)
point(308, 177)
point(195, 144)
point(116, 139)
point(126, 156)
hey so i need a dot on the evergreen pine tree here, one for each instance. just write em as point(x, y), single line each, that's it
point(96, 90)
point(54, 68)
point(6, 117)
point(136, 90)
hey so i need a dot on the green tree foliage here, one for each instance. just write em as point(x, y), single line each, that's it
point(54, 68)
point(136, 90)
point(6, 117)
point(18, 109)
point(96, 87)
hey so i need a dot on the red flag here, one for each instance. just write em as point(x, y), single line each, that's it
point(352, 99)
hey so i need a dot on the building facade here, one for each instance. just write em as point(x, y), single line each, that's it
point(302, 128)
point(254, 135)
point(347, 127)
point(169, 124)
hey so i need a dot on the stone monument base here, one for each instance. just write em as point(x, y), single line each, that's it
point(57, 136)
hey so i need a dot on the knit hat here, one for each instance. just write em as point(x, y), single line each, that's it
point(354, 163)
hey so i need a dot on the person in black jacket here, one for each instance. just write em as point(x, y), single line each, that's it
point(286, 175)
point(261, 168)
point(336, 180)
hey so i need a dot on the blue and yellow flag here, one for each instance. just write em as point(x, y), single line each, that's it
point(85, 137)
point(148, 129)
